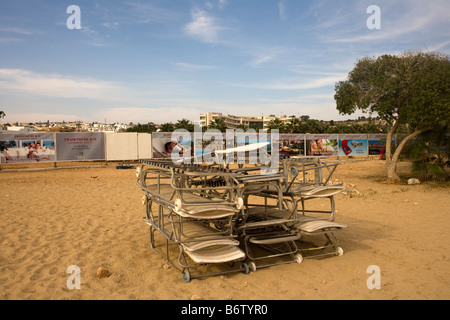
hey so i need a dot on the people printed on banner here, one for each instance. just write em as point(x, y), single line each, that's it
point(5, 153)
point(36, 152)
point(17, 151)
point(322, 147)
point(174, 146)
point(164, 145)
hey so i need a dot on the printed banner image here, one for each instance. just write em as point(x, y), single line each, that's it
point(207, 142)
point(292, 145)
point(322, 145)
point(164, 143)
point(29, 147)
point(249, 138)
point(353, 145)
point(80, 146)
point(377, 144)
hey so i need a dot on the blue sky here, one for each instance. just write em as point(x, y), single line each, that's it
point(164, 60)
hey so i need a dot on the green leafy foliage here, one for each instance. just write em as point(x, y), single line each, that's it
point(411, 88)
point(218, 124)
point(430, 154)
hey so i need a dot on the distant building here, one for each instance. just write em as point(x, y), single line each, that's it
point(21, 129)
point(103, 127)
point(232, 122)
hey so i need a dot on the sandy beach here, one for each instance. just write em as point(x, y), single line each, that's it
point(91, 218)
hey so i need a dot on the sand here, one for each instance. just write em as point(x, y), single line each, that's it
point(91, 218)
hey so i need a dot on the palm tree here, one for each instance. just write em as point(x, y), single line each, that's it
point(243, 127)
point(276, 124)
point(151, 127)
point(185, 124)
point(313, 126)
point(255, 127)
point(294, 125)
point(219, 124)
point(167, 127)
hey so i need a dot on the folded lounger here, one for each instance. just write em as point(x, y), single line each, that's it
point(189, 216)
point(204, 244)
point(266, 229)
point(310, 227)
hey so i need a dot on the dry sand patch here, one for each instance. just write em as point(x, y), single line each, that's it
point(91, 217)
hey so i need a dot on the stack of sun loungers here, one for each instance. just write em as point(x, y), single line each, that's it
point(308, 184)
point(222, 220)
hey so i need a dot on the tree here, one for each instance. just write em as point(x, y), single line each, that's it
point(427, 154)
point(255, 127)
point(2, 114)
point(167, 127)
point(409, 89)
point(276, 124)
point(304, 118)
point(313, 126)
point(294, 125)
point(185, 124)
point(149, 128)
point(219, 124)
point(242, 127)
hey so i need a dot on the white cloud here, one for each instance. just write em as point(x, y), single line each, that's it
point(94, 99)
point(147, 114)
point(222, 3)
point(111, 25)
point(203, 26)
point(282, 10)
point(5, 40)
point(265, 54)
point(18, 81)
point(407, 20)
point(260, 60)
point(439, 46)
point(193, 67)
point(149, 13)
point(295, 84)
point(42, 117)
point(16, 31)
point(13, 34)
point(94, 36)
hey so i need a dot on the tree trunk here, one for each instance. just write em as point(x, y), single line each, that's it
point(392, 166)
point(388, 152)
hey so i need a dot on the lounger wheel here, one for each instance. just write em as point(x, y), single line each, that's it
point(294, 172)
point(339, 251)
point(252, 266)
point(186, 276)
point(298, 258)
point(246, 268)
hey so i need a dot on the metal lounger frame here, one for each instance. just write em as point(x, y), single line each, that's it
point(171, 223)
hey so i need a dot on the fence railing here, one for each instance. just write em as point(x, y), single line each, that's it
point(87, 146)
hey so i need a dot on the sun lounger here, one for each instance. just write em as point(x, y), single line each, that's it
point(266, 229)
point(192, 214)
point(307, 181)
point(269, 242)
point(210, 214)
point(203, 245)
point(312, 230)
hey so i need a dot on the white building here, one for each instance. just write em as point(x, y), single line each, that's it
point(232, 122)
point(21, 129)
